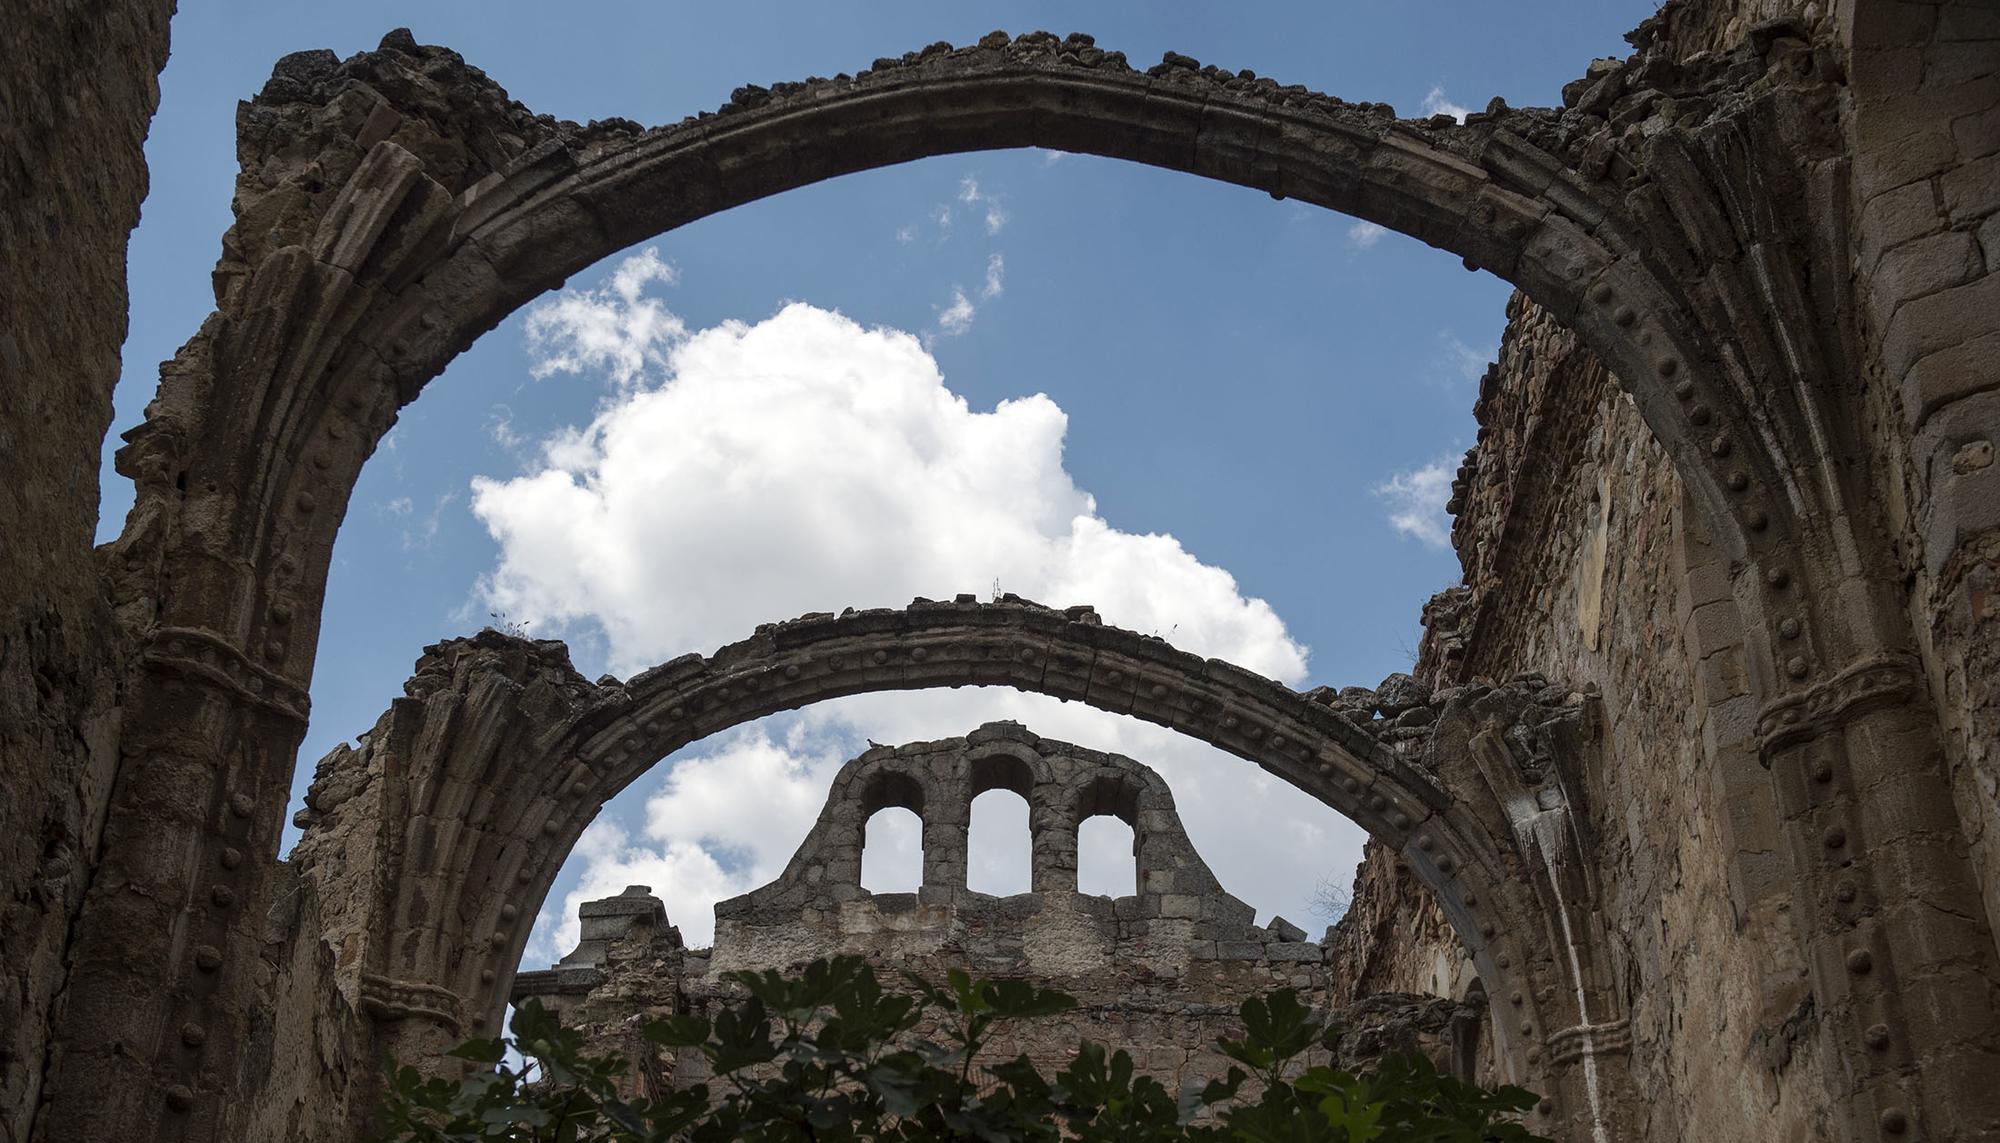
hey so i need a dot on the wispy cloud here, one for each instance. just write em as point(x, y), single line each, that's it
point(500, 427)
point(1363, 235)
point(906, 234)
point(954, 318)
point(1467, 363)
point(1435, 103)
point(1415, 501)
point(425, 532)
point(970, 194)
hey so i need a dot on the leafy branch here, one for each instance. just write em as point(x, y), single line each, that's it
point(830, 1054)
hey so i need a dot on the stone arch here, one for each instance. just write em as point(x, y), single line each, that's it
point(509, 803)
point(893, 789)
point(1116, 797)
point(397, 225)
point(413, 257)
point(1002, 771)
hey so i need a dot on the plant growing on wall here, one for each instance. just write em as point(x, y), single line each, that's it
point(829, 1054)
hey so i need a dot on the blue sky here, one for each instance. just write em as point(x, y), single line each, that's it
point(1209, 380)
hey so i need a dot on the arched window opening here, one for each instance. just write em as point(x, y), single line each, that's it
point(892, 851)
point(997, 847)
point(1107, 857)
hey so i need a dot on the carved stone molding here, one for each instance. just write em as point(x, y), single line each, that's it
point(1861, 686)
point(1609, 1038)
point(208, 656)
point(386, 999)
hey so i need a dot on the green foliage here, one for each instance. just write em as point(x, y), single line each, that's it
point(830, 1054)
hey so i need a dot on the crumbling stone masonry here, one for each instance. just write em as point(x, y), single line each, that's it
point(427, 848)
point(1733, 499)
point(1159, 972)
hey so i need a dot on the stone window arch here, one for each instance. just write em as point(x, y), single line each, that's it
point(892, 851)
point(892, 807)
point(1103, 806)
point(887, 789)
point(1100, 869)
point(996, 777)
point(999, 842)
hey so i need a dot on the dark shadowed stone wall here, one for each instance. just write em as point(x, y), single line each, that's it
point(77, 91)
point(1579, 560)
point(1572, 531)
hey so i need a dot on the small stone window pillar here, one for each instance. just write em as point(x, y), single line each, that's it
point(1052, 842)
point(947, 820)
point(840, 851)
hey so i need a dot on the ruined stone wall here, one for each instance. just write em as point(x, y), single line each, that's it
point(632, 967)
point(1573, 535)
point(77, 93)
point(1161, 972)
point(1580, 560)
point(1924, 129)
point(1786, 248)
point(416, 790)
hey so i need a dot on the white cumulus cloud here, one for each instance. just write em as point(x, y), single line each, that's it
point(614, 328)
point(754, 472)
point(806, 463)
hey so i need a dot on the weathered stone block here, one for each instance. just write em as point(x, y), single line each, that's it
point(1925, 266)
point(1972, 191)
point(1714, 626)
point(1977, 134)
point(1965, 480)
point(1897, 216)
point(1921, 154)
point(1951, 65)
point(1968, 21)
point(1940, 321)
point(1721, 676)
point(1284, 930)
point(1952, 373)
